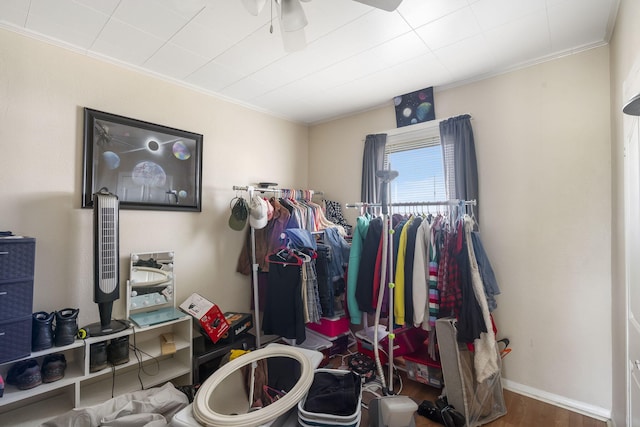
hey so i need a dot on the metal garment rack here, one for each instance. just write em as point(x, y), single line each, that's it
point(254, 264)
point(388, 220)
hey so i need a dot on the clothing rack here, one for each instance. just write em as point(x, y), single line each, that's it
point(451, 202)
point(391, 285)
point(254, 265)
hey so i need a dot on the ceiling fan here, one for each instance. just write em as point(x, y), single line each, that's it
point(293, 19)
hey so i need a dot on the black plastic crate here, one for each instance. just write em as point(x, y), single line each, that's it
point(16, 299)
point(17, 258)
point(15, 339)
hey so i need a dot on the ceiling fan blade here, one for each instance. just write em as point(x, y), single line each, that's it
point(292, 17)
point(254, 6)
point(388, 5)
point(294, 41)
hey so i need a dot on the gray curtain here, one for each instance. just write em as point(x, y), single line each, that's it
point(459, 154)
point(372, 161)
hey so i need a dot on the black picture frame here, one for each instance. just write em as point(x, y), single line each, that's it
point(148, 166)
point(415, 107)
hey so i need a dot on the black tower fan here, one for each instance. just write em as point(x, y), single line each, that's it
point(106, 263)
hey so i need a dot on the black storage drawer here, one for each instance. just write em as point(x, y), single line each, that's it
point(17, 258)
point(15, 339)
point(16, 299)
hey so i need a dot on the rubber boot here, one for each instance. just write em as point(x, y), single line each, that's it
point(66, 326)
point(118, 350)
point(98, 356)
point(41, 331)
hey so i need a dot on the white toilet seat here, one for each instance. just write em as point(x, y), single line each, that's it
point(205, 415)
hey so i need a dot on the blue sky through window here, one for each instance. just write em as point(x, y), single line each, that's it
point(421, 175)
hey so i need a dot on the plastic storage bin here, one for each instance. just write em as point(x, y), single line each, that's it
point(423, 369)
point(316, 419)
point(339, 344)
point(330, 326)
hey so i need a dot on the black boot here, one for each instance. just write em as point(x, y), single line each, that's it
point(41, 331)
point(118, 350)
point(98, 356)
point(66, 326)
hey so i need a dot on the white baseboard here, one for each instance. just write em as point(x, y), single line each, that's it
point(592, 411)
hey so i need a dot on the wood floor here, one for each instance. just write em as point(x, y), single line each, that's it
point(522, 411)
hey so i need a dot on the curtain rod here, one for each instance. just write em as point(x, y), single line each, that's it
point(452, 202)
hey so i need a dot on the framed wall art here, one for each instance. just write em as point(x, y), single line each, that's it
point(148, 166)
point(415, 107)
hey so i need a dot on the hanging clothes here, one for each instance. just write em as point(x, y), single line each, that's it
point(399, 301)
point(267, 240)
point(355, 254)
point(364, 284)
point(284, 310)
point(421, 275)
point(409, 265)
point(486, 359)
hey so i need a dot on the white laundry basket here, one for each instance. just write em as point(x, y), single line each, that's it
point(315, 419)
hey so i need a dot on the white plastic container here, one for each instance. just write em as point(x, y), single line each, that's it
point(316, 419)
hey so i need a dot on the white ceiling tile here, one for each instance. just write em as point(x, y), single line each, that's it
point(245, 89)
point(162, 23)
point(213, 77)
point(253, 53)
point(449, 30)
point(492, 13)
point(570, 29)
point(323, 18)
point(203, 40)
point(173, 61)
point(230, 19)
point(468, 57)
point(420, 12)
point(14, 12)
point(510, 48)
point(125, 43)
point(66, 21)
point(104, 6)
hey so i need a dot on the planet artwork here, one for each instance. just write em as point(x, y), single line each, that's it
point(414, 107)
point(181, 151)
point(111, 160)
point(149, 173)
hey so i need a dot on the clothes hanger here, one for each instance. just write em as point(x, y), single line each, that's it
point(284, 256)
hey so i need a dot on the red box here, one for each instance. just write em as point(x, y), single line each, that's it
point(407, 340)
point(421, 368)
point(330, 326)
point(209, 315)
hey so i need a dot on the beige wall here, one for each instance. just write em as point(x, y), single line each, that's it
point(543, 148)
point(42, 92)
point(625, 60)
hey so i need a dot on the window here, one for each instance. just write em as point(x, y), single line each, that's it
point(417, 156)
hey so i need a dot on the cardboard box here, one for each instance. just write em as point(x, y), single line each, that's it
point(239, 323)
point(211, 319)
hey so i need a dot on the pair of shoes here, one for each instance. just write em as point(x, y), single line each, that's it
point(42, 331)
point(53, 367)
point(25, 374)
point(115, 352)
point(441, 412)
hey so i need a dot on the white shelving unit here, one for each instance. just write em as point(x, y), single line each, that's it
point(81, 388)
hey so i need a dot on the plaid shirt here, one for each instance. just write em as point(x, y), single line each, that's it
point(449, 279)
